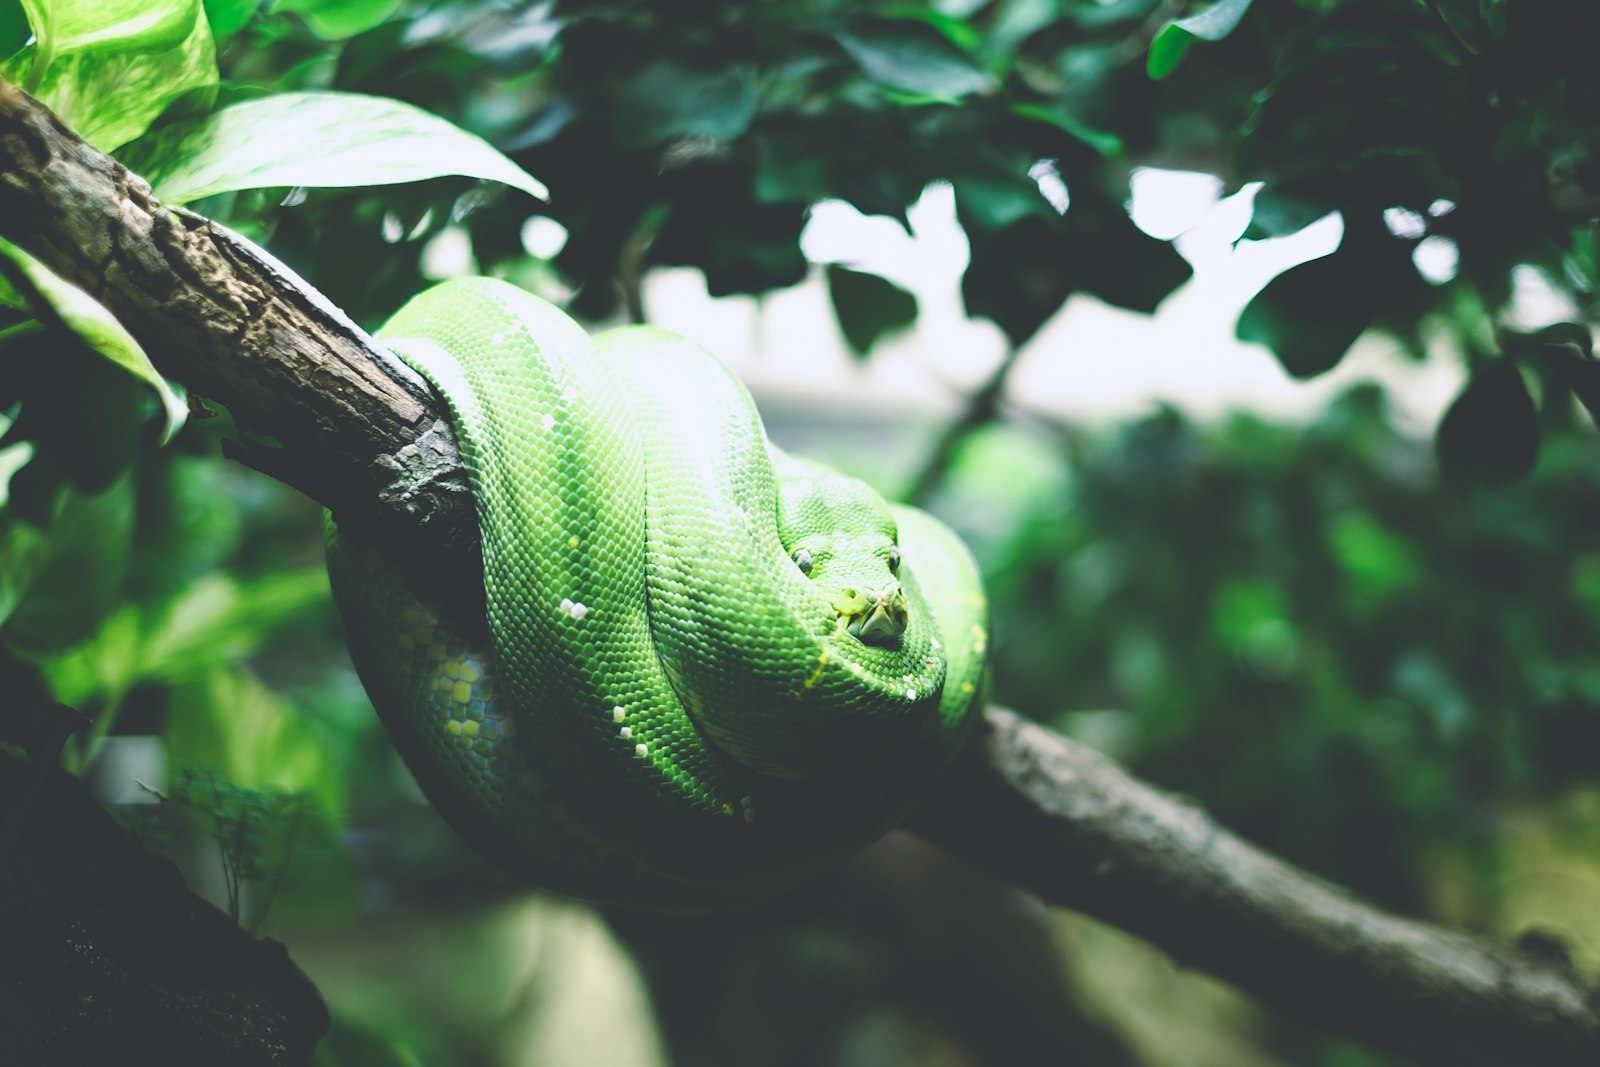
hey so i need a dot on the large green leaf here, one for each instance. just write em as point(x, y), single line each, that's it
point(66, 26)
point(49, 296)
point(912, 57)
point(110, 94)
point(315, 139)
point(868, 306)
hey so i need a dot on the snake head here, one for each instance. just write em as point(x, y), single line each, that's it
point(874, 616)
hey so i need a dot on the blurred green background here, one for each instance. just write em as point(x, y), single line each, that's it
point(1362, 645)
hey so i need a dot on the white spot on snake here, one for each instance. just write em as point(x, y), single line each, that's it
point(573, 608)
point(618, 714)
point(641, 749)
point(911, 694)
point(547, 421)
point(625, 733)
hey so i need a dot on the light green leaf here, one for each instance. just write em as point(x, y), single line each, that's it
point(1209, 24)
point(49, 296)
point(67, 26)
point(218, 618)
point(334, 20)
point(315, 139)
point(111, 97)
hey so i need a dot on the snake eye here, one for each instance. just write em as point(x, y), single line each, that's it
point(802, 559)
point(894, 558)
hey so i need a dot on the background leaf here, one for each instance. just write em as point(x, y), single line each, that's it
point(670, 99)
point(868, 307)
point(912, 56)
point(1490, 435)
point(1210, 24)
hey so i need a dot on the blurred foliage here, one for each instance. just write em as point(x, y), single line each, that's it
point(1366, 655)
point(1345, 659)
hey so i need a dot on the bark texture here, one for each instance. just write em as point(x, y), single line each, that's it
point(360, 433)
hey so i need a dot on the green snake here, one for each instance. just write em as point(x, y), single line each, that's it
point(697, 669)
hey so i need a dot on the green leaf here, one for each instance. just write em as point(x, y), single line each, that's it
point(111, 97)
point(14, 29)
point(66, 26)
point(868, 307)
point(668, 99)
point(1173, 40)
point(50, 297)
point(315, 139)
point(1102, 141)
point(912, 57)
point(1490, 435)
point(335, 20)
point(228, 17)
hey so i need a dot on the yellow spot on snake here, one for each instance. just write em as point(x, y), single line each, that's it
point(572, 542)
point(461, 693)
point(470, 728)
point(727, 809)
point(453, 728)
point(966, 687)
point(822, 661)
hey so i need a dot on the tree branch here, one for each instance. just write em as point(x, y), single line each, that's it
point(360, 433)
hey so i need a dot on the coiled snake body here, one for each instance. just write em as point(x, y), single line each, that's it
point(697, 669)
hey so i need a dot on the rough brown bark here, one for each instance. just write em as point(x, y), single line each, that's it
point(357, 427)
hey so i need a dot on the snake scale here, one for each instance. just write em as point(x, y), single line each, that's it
point(697, 669)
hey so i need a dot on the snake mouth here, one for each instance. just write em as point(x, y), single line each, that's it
point(874, 616)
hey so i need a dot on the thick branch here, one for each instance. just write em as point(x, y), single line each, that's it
point(1065, 822)
point(357, 427)
point(358, 430)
